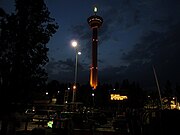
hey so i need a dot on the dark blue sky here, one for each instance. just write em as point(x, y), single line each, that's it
point(135, 35)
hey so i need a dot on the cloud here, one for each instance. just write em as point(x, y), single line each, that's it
point(64, 70)
point(66, 66)
point(111, 74)
point(159, 49)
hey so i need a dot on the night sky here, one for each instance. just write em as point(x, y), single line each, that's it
point(135, 35)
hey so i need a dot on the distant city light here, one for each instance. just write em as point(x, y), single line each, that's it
point(50, 124)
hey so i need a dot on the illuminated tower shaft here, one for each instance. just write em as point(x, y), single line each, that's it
point(94, 66)
point(95, 22)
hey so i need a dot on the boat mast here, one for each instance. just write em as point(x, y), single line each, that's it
point(157, 83)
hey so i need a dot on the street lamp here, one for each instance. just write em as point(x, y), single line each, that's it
point(74, 44)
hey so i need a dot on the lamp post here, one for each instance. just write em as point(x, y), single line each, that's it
point(74, 44)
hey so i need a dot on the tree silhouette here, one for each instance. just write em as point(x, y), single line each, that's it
point(23, 52)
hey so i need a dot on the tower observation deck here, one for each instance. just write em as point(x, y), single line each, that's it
point(95, 23)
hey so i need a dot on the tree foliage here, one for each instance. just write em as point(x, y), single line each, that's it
point(24, 35)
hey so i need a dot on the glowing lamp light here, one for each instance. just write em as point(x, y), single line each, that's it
point(74, 87)
point(74, 43)
point(79, 53)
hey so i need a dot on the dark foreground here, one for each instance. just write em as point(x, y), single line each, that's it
point(148, 122)
point(43, 131)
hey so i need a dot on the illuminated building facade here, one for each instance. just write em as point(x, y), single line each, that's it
point(94, 22)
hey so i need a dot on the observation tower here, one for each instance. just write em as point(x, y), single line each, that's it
point(95, 23)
